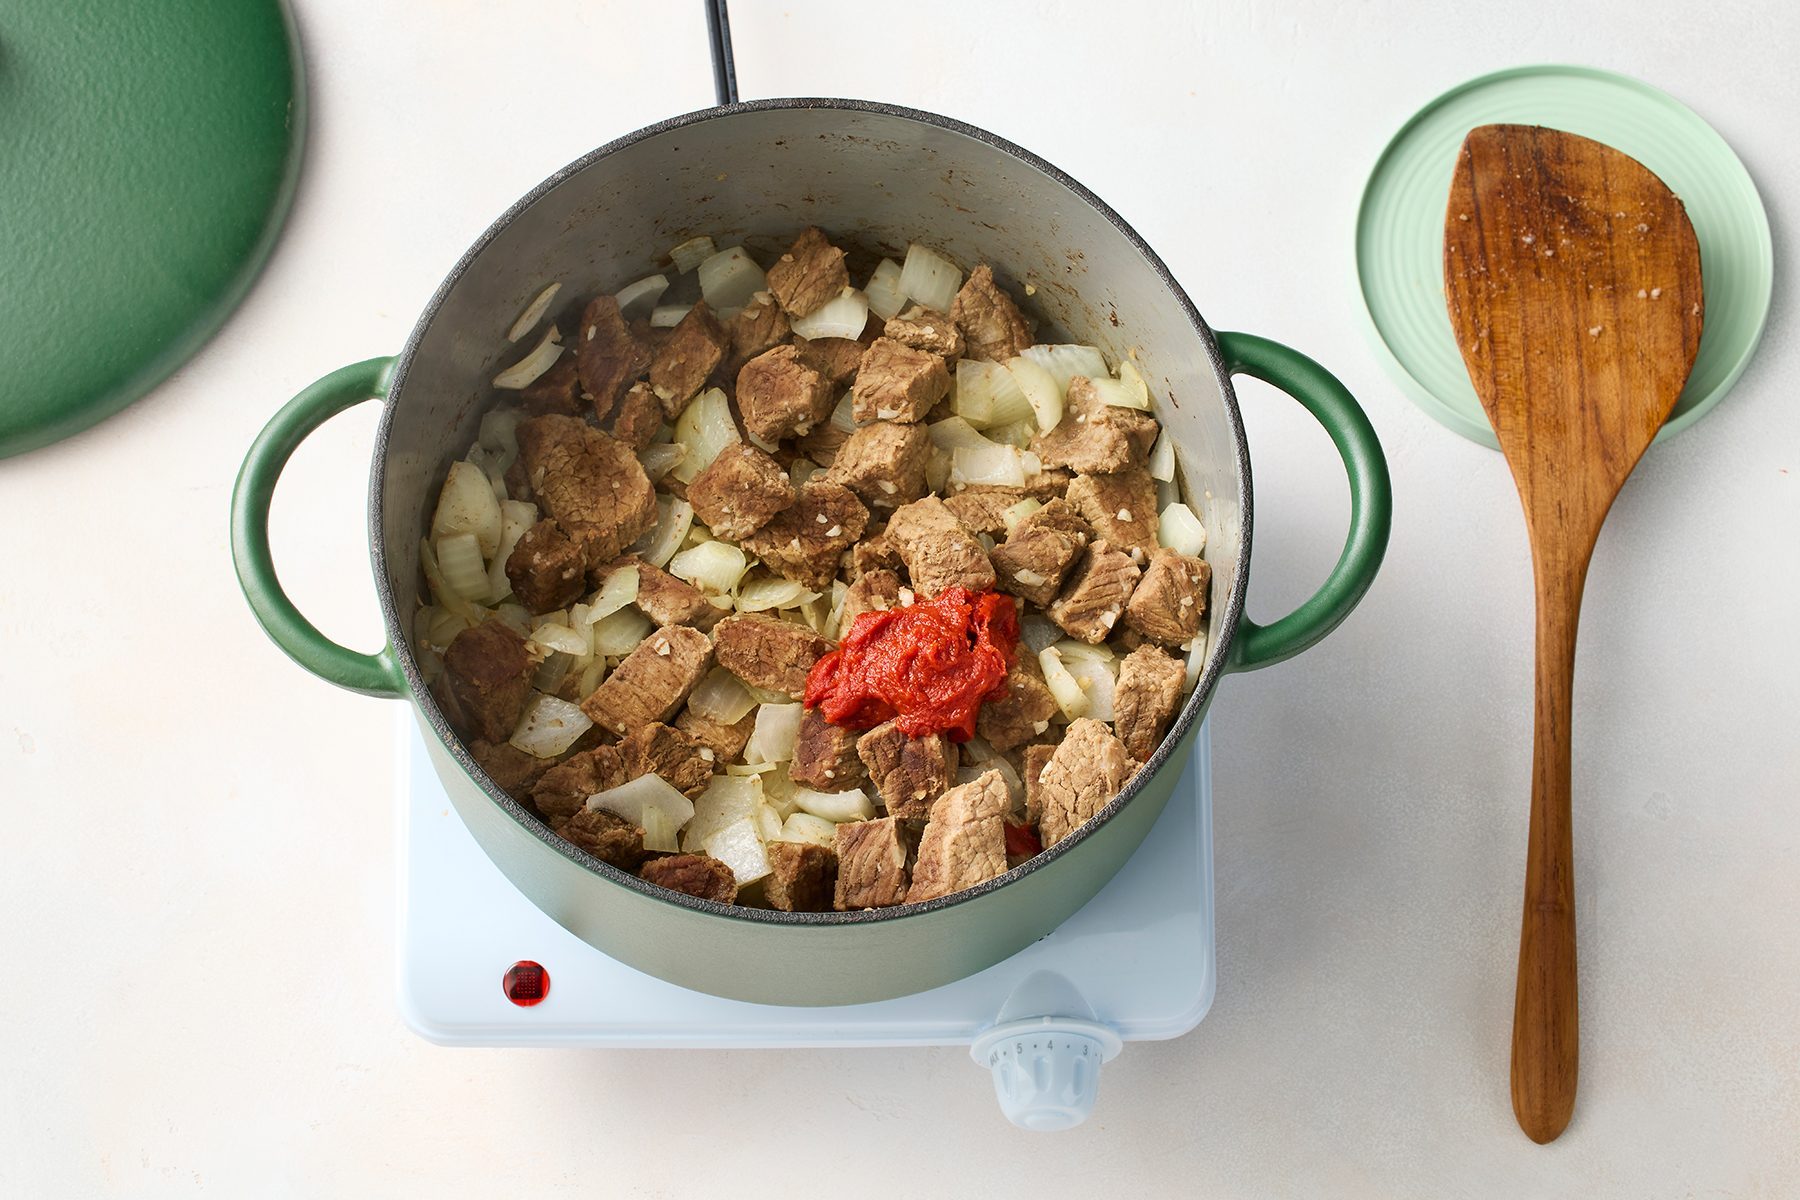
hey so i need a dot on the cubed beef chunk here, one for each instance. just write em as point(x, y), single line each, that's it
point(591, 483)
point(758, 326)
point(546, 569)
point(983, 507)
point(518, 483)
point(1120, 507)
point(802, 877)
point(876, 552)
point(1094, 437)
point(825, 757)
point(938, 549)
point(965, 842)
point(639, 417)
point(512, 770)
point(1037, 757)
point(837, 359)
point(873, 591)
point(564, 788)
point(488, 669)
point(1145, 699)
point(1023, 712)
point(805, 542)
point(871, 865)
point(1090, 604)
point(823, 443)
point(694, 874)
point(1086, 770)
point(1048, 484)
point(926, 329)
point(652, 682)
point(658, 749)
point(897, 383)
point(767, 652)
point(1169, 603)
point(691, 354)
point(557, 390)
point(663, 598)
point(808, 274)
point(908, 772)
point(780, 396)
point(726, 742)
point(994, 327)
point(740, 491)
point(883, 463)
point(607, 836)
point(609, 355)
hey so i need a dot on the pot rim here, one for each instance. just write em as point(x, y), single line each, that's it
point(1225, 620)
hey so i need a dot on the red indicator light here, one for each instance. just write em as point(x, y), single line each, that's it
point(526, 983)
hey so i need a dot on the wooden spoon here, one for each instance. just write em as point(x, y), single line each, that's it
point(1573, 281)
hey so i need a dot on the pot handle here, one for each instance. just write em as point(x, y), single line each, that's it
point(1371, 499)
point(371, 674)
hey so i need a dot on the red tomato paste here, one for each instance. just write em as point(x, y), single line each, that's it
point(927, 667)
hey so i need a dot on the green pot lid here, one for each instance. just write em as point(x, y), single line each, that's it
point(148, 153)
point(1400, 227)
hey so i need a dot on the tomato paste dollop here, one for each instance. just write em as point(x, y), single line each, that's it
point(927, 667)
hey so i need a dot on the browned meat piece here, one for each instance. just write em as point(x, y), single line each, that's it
point(805, 542)
point(518, 484)
point(1025, 710)
point(1169, 603)
point(691, 354)
point(694, 874)
point(1036, 759)
point(1090, 603)
point(995, 328)
point(564, 788)
point(658, 749)
point(1048, 484)
point(726, 742)
point(652, 682)
point(1086, 770)
point(740, 491)
point(760, 325)
point(1121, 508)
point(663, 598)
point(557, 390)
point(607, 836)
point(883, 463)
point(1094, 437)
point(823, 443)
point(876, 552)
point(837, 359)
point(939, 550)
point(780, 396)
point(926, 329)
point(591, 483)
point(512, 770)
point(546, 569)
point(488, 669)
point(873, 591)
point(1145, 699)
point(965, 843)
point(871, 865)
point(825, 757)
point(609, 355)
point(1033, 562)
point(897, 383)
point(767, 652)
point(810, 273)
point(908, 772)
point(640, 415)
point(982, 507)
point(802, 877)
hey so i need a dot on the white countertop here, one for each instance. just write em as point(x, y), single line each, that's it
point(197, 875)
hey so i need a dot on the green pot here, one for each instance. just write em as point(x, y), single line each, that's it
point(878, 177)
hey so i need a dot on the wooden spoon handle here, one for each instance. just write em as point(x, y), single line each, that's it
point(1545, 1049)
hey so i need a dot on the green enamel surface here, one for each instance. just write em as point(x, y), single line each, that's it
point(1400, 228)
point(148, 152)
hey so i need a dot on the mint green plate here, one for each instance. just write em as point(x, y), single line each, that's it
point(1400, 227)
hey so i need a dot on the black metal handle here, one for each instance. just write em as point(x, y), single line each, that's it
point(718, 27)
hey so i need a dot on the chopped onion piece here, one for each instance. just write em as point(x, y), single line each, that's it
point(1134, 379)
point(804, 827)
point(525, 372)
point(549, 726)
point(553, 636)
point(752, 768)
point(953, 432)
point(885, 297)
point(740, 847)
point(1119, 394)
point(777, 729)
point(713, 567)
point(778, 790)
point(1041, 391)
point(727, 798)
point(843, 316)
point(1064, 362)
point(668, 316)
point(618, 635)
point(929, 278)
point(761, 595)
point(661, 458)
point(937, 469)
point(659, 832)
point(1092, 668)
point(466, 504)
point(721, 697)
point(1181, 531)
point(499, 433)
point(459, 558)
point(768, 823)
point(705, 427)
point(674, 518)
point(1017, 434)
point(514, 617)
point(1015, 513)
point(1162, 458)
point(840, 591)
point(591, 677)
point(844, 415)
point(635, 799)
point(620, 589)
point(991, 463)
point(987, 394)
point(635, 299)
point(691, 253)
point(513, 524)
point(1196, 660)
point(730, 278)
point(534, 312)
point(853, 805)
point(1070, 698)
